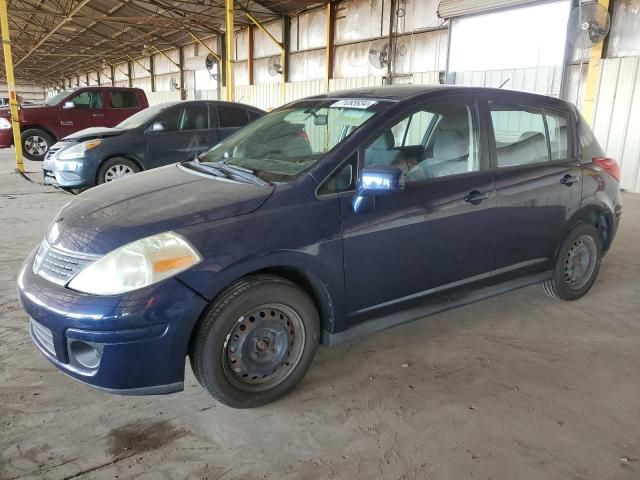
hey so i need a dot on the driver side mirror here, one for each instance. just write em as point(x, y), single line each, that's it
point(158, 127)
point(68, 105)
point(376, 180)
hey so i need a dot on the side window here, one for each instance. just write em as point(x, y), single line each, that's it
point(436, 142)
point(123, 99)
point(232, 116)
point(194, 118)
point(342, 180)
point(558, 137)
point(521, 136)
point(170, 119)
point(88, 99)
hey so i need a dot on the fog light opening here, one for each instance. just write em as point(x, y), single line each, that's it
point(84, 354)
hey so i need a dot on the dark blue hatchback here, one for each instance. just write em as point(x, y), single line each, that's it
point(327, 219)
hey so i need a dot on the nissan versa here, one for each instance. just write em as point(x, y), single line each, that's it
point(327, 219)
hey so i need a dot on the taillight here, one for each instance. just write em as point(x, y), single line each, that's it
point(609, 165)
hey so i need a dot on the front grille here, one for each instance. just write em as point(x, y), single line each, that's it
point(59, 267)
point(55, 148)
point(44, 336)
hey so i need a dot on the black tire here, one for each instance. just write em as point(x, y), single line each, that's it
point(577, 264)
point(108, 167)
point(35, 144)
point(213, 343)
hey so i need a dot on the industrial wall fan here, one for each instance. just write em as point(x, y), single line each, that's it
point(275, 65)
point(379, 54)
point(588, 26)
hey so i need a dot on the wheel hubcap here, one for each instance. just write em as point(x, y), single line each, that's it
point(580, 262)
point(36, 145)
point(263, 347)
point(117, 171)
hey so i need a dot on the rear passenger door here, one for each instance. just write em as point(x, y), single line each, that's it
point(538, 182)
point(230, 120)
point(122, 104)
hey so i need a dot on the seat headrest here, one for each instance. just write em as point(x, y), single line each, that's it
point(386, 142)
point(449, 145)
point(201, 122)
point(529, 134)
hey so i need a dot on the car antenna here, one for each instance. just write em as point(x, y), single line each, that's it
point(504, 83)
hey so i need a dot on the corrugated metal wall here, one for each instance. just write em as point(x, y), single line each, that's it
point(617, 116)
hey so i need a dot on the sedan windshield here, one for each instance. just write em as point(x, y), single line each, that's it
point(283, 144)
point(143, 116)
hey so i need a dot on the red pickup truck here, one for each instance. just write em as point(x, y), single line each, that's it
point(68, 112)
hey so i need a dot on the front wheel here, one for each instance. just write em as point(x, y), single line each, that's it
point(36, 144)
point(256, 342)
point(577, 264)
point(115, 169)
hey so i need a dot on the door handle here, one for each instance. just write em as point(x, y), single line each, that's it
point(98, 115)
point(475, 197)
point(569, 180)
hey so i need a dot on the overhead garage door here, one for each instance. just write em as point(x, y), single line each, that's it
point(457, 8)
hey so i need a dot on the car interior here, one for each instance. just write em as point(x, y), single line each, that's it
point(435, 148)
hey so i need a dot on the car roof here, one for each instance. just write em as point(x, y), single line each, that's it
point(215, 102)
point(398, 93)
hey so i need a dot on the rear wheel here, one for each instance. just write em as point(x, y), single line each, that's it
point(116, 168)
point(36, 144)
point(577, 264)
point(256, 342)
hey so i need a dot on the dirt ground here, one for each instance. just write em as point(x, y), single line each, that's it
point(515, 387)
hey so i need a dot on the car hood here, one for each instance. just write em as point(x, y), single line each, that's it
point(167, 198)
point(93, 132)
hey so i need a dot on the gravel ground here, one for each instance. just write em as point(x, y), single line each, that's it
point(515, 387)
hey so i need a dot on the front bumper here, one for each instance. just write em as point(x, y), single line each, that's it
point(76, 173)
point(140, 338)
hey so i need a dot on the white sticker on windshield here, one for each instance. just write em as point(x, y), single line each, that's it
point(353, 103)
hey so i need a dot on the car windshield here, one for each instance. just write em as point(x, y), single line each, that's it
point(283, 144)
point(143, 116)
point(57, 98)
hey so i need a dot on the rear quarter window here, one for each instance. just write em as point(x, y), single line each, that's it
point(232, 116)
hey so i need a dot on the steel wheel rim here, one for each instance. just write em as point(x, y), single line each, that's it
point(580, 262)
point(263, 347)
point(36, 145)
point(117, 171)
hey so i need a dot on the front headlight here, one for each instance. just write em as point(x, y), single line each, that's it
point(5, 124)
point(78, 151)
point(137, 264)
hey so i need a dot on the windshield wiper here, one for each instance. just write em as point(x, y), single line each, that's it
point(215, 171)
point(241, 172)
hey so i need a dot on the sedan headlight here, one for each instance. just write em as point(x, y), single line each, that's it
point(78, 151)
point(137, 264)
point(5, 124)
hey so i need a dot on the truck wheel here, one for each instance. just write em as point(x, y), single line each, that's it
point(256, 342)
point(36, 144)
point(577, 264)
point(116, 168)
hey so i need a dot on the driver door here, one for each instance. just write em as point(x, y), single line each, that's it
point(432, 235)
point(88, 111)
